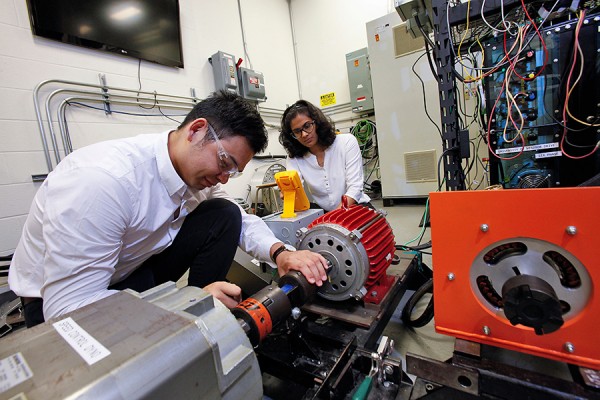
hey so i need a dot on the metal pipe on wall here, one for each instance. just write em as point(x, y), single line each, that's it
point(295, 46)
point(65, 102)
point(126, 97)
point(105, 99)
point(104, 93)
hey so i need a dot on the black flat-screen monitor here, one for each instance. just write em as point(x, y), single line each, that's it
point(144, 29)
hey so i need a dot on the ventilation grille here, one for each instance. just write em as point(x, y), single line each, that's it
point(404, 43)
point(420, 166)
point(534, 181)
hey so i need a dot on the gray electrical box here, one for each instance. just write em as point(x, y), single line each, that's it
point(285, 229)
point(359, 79)
point(225, 71)
point(252, 84)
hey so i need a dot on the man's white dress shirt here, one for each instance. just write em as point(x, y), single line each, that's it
point(100, 214)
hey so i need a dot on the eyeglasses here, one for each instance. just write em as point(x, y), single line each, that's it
point(308, 127)
point(226, 163)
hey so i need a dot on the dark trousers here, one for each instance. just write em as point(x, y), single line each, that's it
point(205, 245)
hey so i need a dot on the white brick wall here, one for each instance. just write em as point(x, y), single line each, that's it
point(325, 32)
point(26, 60)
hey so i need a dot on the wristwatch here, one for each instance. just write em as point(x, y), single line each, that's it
point(277, 252)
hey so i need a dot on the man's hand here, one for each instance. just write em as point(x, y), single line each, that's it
point(312, 265)
point(228, 293)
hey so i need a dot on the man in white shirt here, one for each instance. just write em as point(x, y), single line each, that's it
point(137, 212)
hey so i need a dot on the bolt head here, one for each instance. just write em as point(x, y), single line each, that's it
point(569, 347)
point(486, 330)
point(451, 276)
point(484, 227)
point(571, 230)
point(296, 313)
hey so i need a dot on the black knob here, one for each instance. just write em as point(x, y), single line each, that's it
point(531, 301)
point(297, 288)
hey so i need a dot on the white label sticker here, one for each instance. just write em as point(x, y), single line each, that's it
point(528, 148)
point(82, 342)
point(549, 154)
point(13, 370)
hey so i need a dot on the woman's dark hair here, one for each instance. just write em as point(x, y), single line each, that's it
point(231, 115)
point(323, 125)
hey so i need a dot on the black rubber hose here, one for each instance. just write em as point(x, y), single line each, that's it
point(427, 315)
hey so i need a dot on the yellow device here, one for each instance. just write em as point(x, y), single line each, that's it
point(294, 197)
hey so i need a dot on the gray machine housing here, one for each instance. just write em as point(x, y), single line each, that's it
point(225, 71)
point(286, 229)
point(252, 84)
point(165, 343)
point(359, 81)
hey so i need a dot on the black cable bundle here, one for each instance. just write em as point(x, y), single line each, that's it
point(427, 315)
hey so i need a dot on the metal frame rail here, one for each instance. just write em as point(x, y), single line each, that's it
point(453, 139)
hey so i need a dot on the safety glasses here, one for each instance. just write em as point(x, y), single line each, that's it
point(226, 163)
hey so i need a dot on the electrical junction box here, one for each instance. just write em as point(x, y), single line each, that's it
point(359, 79)
point(408, 9)
point(285, 229)
point(252, 84)
point(225, 72)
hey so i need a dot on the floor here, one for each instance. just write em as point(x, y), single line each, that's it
point(405, 220)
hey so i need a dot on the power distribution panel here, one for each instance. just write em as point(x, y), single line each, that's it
point(359, 79)
point(224, 71)
point(544, 152)
point(252, 84)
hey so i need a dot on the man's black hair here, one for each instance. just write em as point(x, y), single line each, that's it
point(231, 115)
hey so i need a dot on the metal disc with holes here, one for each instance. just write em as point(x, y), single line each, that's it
point(349, 261)
point(503, 260)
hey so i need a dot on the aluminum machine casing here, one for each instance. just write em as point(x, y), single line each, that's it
point(518, 269)
point(165, 343)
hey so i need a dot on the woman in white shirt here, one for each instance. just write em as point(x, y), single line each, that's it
point(330, 165)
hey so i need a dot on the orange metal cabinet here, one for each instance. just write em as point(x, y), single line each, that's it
point(487, 241)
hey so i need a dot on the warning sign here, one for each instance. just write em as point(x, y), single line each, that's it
point(328, 99)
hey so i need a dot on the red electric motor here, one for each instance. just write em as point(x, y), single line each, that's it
point(359, 244)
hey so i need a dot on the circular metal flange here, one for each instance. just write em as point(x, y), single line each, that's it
point(349, 261)
point(505, 259)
